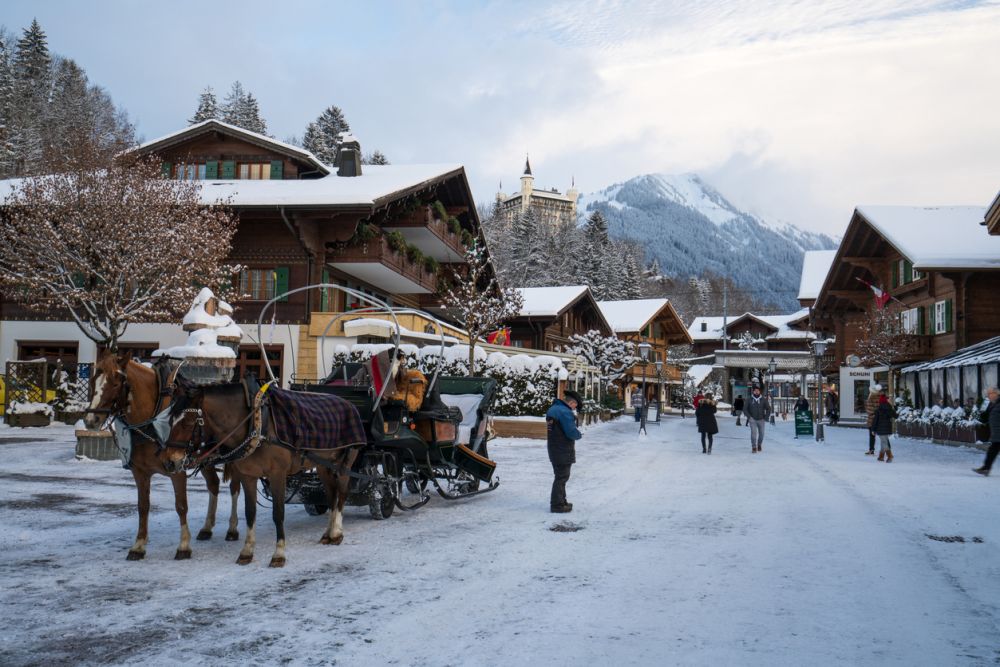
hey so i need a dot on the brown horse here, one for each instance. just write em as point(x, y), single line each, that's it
point(127, 388)
point(220, 418)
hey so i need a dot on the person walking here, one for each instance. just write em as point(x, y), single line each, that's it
point(757, 409)
point(991, 417)
point(698, 398)
point(871, 405)
point(704, 415)
point(738, 408)
point(801, 405)
point(833, 407)
point(882, 427)
point(562, 435)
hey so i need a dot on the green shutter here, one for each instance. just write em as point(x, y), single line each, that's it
point(228, 169)
point(276, 170)
point(907, 271)
point(324, 299)
point(212, 169)
point(281, 282)
point(923, 320)
point(895, 275)
point(947, 316)
point(166, 169)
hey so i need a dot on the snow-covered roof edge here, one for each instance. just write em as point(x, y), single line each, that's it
point(255, 137)
point(815, 266)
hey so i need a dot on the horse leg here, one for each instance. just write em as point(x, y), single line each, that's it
point(337, 486)
point(138, 550)
point(250, 506)
point(278, 514)
point(233, 533)
point(212, 482)
point(181, 505)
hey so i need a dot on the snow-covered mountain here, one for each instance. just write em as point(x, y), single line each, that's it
point(690, 228)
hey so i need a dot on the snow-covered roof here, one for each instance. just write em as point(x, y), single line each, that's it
point(713, 329)
point(698, 373)
point(985, 352)
point(369, 326)
point(254, 137)
point(936, 237)
point(542, 301)
point(631, 315)
point(815, 265)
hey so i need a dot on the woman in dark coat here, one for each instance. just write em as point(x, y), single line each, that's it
point(704, 415)
point(882, 427)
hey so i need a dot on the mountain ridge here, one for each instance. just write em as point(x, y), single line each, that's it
point(691, 229)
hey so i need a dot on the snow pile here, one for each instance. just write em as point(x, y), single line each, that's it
point(526, 385)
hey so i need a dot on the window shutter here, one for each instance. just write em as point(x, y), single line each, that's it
point(947, 316)
point(229, 169)
point(276, 169)
point(324, 299)
point(922, 328)
point(166, 169)
point(211, 169)
point(907, 271)
point(895, 274)
point(281, 282)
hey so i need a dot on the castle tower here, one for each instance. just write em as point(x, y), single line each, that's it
point(527, 185)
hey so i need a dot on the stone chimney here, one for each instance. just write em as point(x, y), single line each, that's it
point(349, 156)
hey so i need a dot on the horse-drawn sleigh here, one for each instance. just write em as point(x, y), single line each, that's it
point(352, 437)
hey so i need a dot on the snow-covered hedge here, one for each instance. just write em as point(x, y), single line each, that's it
point(30, 409)
point(935, 414)
point(526, 385)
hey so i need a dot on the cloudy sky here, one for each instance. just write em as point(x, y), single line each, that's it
point(796, 110)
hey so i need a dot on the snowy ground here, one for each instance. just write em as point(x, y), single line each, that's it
point(805, 554)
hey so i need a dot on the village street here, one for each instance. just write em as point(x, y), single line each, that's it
point(807, 553)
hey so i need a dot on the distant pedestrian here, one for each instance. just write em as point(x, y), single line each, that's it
point(562, 437)
point(882, 427)
point(738, 408)
point(801, 405)
point(696, 400)
point(704, 414)
point(991, 417)
point(871, 405)
point(757, 409)
point(637, 403)
point(833, 407)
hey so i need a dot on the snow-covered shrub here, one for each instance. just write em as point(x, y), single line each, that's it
point(30, 409)
point(68, 393)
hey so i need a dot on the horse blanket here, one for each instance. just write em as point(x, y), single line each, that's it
point(314, 421)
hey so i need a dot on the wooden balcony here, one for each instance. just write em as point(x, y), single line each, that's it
point(377, 264)
point(432, 236)
point(923, 350)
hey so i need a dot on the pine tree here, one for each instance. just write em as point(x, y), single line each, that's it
point(31, 83)
point(375, 157)
point(322, 136)
point(527, 251)
point(254, 122)
point(208, 107)
point(68, 118)
point(6, 99)
point(241, 109)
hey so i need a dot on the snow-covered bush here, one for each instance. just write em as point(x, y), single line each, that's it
point(30, 409)
point(935, 414)
point(68, 393)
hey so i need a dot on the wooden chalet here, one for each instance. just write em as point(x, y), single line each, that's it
point(652, 321)
point(788, 333)
point(550, 315)
point(389, 231)
point(992, 220)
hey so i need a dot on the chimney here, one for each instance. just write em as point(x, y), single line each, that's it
point(349, 156)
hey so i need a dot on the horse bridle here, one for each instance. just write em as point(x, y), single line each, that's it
point(195, 453)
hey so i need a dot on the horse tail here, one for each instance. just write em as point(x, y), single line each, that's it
point(227, 473)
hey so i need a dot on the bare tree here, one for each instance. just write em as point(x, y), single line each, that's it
point(477, 299)
point(882, 340)
point(109, 242)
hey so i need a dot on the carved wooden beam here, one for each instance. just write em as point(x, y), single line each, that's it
point(874, 265)
point(854, 296)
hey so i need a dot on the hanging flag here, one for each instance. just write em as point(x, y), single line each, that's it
point(499, 337)
point(881, 297)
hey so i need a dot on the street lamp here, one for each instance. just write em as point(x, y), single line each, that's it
point(644, 348)
point(771, 367)
point(659, 388)
point(819, 349)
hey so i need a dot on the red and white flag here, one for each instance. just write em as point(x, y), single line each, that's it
point(881, 297)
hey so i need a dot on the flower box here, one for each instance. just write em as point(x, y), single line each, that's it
point(96, 445)
point(21, 420)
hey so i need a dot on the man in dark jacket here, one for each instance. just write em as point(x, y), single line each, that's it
point(562, 434)
point(738, 408)
point(991, 417)
point(757, 409)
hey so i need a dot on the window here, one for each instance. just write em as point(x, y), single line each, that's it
point(704, 326)
point(264, 284)
point(254, 171)
point(942, 316)
point(910, 320)
point(189, 172)
point(918, 275)
point(250, 361)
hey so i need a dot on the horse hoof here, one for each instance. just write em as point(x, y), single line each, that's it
point(244, 560)
point(326, 539)
point(182, 555)
point(277, 562)
point(204, 535)
point(135, 555)
point(232, 536)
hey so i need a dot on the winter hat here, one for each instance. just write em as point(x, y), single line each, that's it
point(882, 399)
point(572, 395)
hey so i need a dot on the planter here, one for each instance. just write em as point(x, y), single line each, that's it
point(96, 445)
point(69, 418)
point(944, 434)
point(21, 420)
point(906, 430)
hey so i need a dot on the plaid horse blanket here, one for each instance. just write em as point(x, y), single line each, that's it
point(314, 421)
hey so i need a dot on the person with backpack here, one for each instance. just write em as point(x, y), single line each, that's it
point(704, 415)
point(882, 427)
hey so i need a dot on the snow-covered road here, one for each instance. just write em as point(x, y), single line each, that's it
point(805, 554)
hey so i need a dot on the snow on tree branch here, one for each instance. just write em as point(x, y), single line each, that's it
point(612, 355)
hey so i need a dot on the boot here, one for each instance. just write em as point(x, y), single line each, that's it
point(888, 456)
point(709, 449)
point(561, 509)
point(984, 471)
point(881, 456)
point(753, 449)
point(870, 452)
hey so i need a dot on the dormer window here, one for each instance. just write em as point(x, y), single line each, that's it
point(704, 326)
